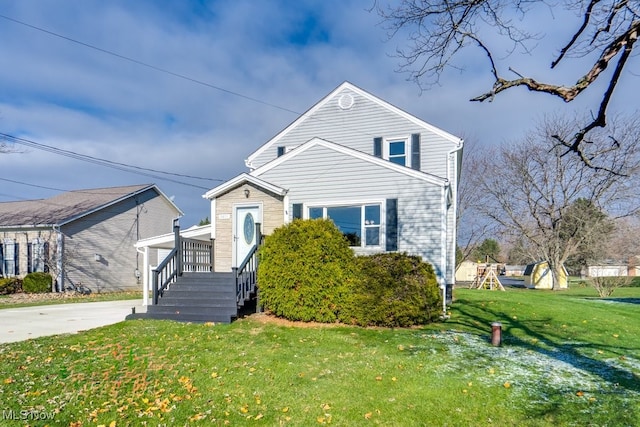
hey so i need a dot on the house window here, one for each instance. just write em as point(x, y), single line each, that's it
point(359, 223)
point(401, 151)
point(36, 256)
point(10, 258)
point(398, 152)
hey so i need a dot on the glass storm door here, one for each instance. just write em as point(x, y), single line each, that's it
point(244, 233)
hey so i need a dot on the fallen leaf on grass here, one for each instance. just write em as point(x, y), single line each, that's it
point(507, 384)
point(580, 393)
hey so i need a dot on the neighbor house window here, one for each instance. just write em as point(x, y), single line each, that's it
point(36, 257)
point(10, 258)
point(359, 223)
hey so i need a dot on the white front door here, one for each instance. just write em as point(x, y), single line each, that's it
point(244, 231)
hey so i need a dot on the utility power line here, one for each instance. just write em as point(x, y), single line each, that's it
point(147, 65)
point(108, 163)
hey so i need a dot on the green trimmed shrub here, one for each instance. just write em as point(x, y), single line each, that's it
point(10, 285)
point(395, 289)
point(305, 270)
point(37, 283)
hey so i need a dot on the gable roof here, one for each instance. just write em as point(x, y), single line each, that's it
point(314, 142)
point(346, 85)
point(69, 206)
point(239, 180)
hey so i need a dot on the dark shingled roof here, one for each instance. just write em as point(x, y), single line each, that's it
point(64, 207)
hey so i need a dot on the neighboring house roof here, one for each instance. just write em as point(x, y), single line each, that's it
point(346, 85)
point(67, 207)
point(433, 179)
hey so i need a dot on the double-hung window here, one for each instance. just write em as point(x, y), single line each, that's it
point(36, 257)
point(359, 223)
point(404, 151)
point(10, 258)
point(398, 152)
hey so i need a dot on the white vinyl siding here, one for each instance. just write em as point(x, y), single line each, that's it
point(319, 173)
point(356, 127)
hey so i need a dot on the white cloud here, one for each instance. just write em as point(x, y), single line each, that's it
point(64, 94)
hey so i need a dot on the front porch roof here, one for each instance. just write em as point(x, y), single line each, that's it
point(167, 241)
point(242, 179)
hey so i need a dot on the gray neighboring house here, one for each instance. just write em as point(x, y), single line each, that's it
point(84, 236)
point(387, 179)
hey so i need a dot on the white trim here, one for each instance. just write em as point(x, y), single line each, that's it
point(201, 232)
point(386, 149)
point(454, 177)
point(214, 231)
point(346, 85)
point(241, 179)
point(355, 203)
point(145, 274)
point(234, 210)
point(436, 180)
point(443, 237)
point(285, 208)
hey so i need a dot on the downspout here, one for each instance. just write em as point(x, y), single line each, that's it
point(443, 245)
point(454, 206)
point(59, 258)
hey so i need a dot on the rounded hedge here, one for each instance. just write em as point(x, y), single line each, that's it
point(305, 269)
point(395, 289)
point(10, 285)
point(37, 283)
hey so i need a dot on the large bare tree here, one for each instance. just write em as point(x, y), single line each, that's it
point(552, 203)
point(603, 36)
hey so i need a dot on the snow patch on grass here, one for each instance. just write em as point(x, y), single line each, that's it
point(539, 372)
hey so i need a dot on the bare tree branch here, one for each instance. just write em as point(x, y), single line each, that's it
point(438, 31)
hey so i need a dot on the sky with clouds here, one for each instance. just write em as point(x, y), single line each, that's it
point(196, 86)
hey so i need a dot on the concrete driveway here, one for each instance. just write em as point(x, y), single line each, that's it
point(18, 324)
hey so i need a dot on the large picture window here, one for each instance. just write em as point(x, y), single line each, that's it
point(359, 223)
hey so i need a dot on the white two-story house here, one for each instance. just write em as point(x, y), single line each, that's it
point(386, 178)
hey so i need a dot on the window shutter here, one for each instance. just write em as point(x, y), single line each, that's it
point(415, 151)
point(46, 257)
point(297, 211)
point(29, 257)
point(377, 146)
point(2, 272)
point(392, 225)
point(280, 151)
point(16, 258)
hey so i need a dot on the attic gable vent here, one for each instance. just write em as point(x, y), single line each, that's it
point(346, 101)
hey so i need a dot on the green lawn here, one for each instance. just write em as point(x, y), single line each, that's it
point(567, 359)
point(29, 300)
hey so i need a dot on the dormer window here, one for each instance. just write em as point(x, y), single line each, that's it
point(401, 151)
point(398, 152)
